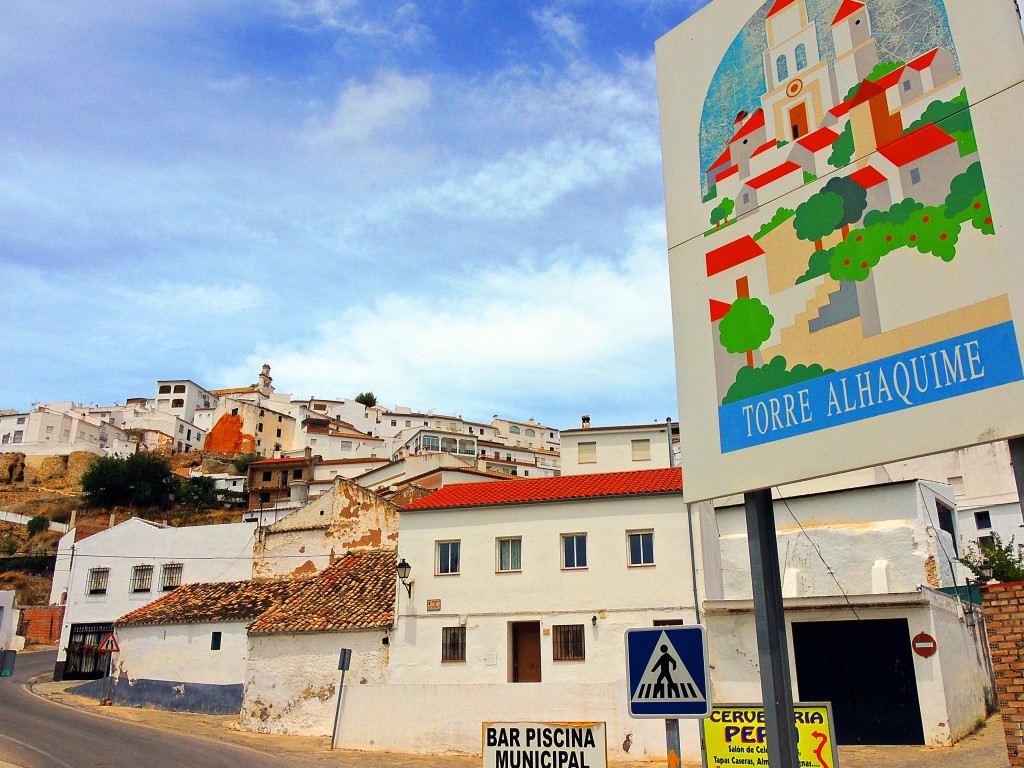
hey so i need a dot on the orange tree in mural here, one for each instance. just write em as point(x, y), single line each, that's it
point(932, 229)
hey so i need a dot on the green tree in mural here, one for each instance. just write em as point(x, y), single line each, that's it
point(722, 211)
point(745, 327)
point(837, 205)
point(842, 148)
point(954, 117)
point(968, 200)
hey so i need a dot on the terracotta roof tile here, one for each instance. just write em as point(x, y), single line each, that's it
point(915, 145)
point(565, 487)
point(774, 174)
point(222, 601)
point(357, 592)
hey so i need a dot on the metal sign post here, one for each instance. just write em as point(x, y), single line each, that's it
point(344, 662)
point(770, 620)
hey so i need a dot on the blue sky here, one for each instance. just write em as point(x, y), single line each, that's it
point(458, 205)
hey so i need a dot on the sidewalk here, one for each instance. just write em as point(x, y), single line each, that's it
point(984, 749)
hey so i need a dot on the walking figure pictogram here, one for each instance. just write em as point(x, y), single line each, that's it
point(662, 665)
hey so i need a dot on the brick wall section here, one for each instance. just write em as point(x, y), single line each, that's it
point(1004, 621)
point(41, 624)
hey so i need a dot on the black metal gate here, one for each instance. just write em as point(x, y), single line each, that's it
point(84, 661)
point(866, 669)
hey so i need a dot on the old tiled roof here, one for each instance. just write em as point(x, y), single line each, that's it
point(282, 460)
point(234, 390)
point(565, 487)
point(357, 592)
point(223, 601)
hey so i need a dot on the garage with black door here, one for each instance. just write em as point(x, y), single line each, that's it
point(866, 669)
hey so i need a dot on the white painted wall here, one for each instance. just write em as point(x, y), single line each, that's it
point(207, 553)
point(6, 619)
point(291, 680)
point(181, 653)
point(14, 517)
point(614, 449)
point(874, 540)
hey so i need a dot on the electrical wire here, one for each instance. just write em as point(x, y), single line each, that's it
point(818, 551)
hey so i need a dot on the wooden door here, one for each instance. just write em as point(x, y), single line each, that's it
point(798, 120)
point(525, 639)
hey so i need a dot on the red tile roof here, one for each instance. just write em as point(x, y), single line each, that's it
point(203, 603)
point(754, 122)
point(915, 145)
point(730, 171)
point(723, 158)
point(868, 177)
point(841, 109)
point(357, 592)
point(888, 81)
point(848, 8)
point(563, 488)
point(818, 140)
point(718, 309)
point(925, 61)
point(774, 174)
point(779, 5)
point(282, 460)
point(731, 254)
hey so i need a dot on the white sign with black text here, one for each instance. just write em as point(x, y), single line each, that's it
point(545, 745)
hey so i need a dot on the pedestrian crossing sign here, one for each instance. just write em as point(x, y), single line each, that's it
point(667, 671)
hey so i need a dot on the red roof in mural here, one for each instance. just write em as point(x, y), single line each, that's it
point(718, 309)
point(722, 160)
point(731, 254)
point(925, 61)
point(774, 174)
point(848, 8)
point(868, 177)
point(889, 80)
point(755, 122)
point(869, 90)
point(819, 139)
point(562, 488)
point(841, 109)
point(727, 172)
point(779, 5)
point(914, 146)
point(765, 147)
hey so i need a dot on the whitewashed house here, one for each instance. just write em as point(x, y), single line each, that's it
point(117, 570)
point(7, 625)
point(618, 448)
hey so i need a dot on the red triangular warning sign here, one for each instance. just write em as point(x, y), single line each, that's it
point(109, 644)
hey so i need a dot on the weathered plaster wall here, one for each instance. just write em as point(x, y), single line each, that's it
point(346, 518)
point(291, 680)
point(228, 435)
point(182, 653)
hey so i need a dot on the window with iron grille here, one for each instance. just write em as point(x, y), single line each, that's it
point(567, 642)
point(98, 580)
point(142, 578)
point(453, 644)
point(170, 576)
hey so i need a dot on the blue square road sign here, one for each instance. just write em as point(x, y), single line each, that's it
point(667, 672)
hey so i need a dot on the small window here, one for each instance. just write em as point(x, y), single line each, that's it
point(530, 433)
point(514, 430)
point(800, 54)
point(181, 429)
point(641, 547)
point(641, 450)
point(986, 542)
point(587, 453)
point(278, 433)
point(983, 520)
point(906, 85)
point(510, 555)
point(142, 578)
point(264, 497)
point(215, 641)
point(448, 557)
point(177, 403)
point(262, 412)
point(179, 389)
point(98, 580)
point(453, 644)
point(234, 411)
point(49, 430)
point(267, 476)
point(165, 389)
point(407, 423)
point(453, 427)
point(296, 474)
point(782, 68)
point(574, 550)
point(21, 420)
point(259, 427)
point(915, 175)
point(394, 422)
point(170, 576)
point(319, 407)
point(567, 642)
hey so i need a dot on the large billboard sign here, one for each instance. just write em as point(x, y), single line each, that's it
point(842, 183)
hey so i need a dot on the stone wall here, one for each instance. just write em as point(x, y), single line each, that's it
point(1005, 624)
point(53, 472)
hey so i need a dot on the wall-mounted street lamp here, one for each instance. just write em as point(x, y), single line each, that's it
point(593, 620)
point(986, 571)
point(404, 569)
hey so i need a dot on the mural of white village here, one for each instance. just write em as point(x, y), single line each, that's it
point(875, 236)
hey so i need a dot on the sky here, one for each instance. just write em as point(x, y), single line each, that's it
point(457, 205)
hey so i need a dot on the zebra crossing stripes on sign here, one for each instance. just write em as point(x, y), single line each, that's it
point(667, 672)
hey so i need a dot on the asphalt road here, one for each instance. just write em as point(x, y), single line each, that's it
point(35, 733)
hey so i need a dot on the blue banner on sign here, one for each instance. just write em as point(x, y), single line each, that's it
point(667, 671)
point(969, 363)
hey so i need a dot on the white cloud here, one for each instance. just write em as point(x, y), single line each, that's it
point(570, 329)
point(371, 112)
point(400, 25)
point(560, 28)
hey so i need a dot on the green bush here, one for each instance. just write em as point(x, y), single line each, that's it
point(37, 525)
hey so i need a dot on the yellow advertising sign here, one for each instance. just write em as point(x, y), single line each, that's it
point(734, 735)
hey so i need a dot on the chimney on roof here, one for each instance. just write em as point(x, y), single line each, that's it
point(586, 422)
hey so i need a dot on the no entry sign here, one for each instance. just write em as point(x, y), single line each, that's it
point(924, 644)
